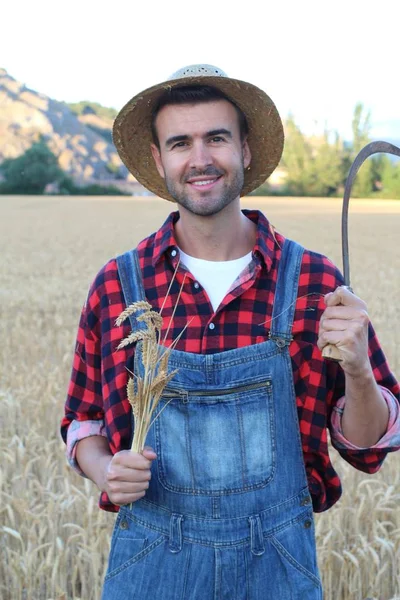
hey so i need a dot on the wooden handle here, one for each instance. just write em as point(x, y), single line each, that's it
point(331, 352)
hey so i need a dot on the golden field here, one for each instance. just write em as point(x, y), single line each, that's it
point(54, 540)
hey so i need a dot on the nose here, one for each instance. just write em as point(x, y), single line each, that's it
point(200, 156)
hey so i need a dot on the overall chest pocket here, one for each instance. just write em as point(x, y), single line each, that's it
point(214, 442)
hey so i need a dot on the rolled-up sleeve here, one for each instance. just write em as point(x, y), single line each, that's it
point(83, 411)
point(389, 441)
point(79, 430)
point(369, 460)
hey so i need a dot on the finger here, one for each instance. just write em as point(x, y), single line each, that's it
point(127, 487)
point(132, 460)
point(329, 337)
point(334, 325)
point(149, 453)
point(343, 312)
point(122, 499)
point(354, 328)
point(342, 295)
point(125, 474)
point(341, 339)
point(357, 325)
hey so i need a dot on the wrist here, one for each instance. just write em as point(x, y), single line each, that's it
point(363, 393)
point(362, 374)
point(101, 474)
point(93, 456)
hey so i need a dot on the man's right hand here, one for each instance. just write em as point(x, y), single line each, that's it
point(128, 475)
point(124, 477)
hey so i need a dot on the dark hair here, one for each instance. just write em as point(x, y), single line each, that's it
point(191, 94)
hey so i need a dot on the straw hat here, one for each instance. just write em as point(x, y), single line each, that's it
point(132, 127)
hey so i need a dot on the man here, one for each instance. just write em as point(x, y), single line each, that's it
point(219, 505)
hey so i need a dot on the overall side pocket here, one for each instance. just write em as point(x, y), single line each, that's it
point(130, 543)
point(296, 547)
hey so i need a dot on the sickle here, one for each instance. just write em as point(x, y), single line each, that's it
point(330, 351)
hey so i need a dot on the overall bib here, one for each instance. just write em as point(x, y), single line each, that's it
point(228, 515)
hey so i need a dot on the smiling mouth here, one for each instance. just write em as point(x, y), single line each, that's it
point(205, 184)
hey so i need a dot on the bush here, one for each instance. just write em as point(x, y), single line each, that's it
point(30, 172)
point(69, 188)
point(86, 107)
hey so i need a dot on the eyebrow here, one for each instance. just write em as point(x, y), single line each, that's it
point(184, 138)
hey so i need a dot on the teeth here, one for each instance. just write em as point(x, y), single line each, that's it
point(204, 182)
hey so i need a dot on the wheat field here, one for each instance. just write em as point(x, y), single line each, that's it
point(54, 539)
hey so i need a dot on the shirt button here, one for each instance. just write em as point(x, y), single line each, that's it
point(196, 285)
point(124, 525)
point(211, 326)
point(173, 253)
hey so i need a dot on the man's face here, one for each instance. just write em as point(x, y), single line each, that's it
point(201, 155)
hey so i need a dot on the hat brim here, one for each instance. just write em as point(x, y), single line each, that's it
point(132, 131)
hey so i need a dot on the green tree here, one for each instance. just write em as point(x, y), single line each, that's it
point(364, 183)
point(389, 175)
point(297, 160)
point(361, 127)
point(319, 165)
point(30, 172)
point(327, 167)
point(314, 164)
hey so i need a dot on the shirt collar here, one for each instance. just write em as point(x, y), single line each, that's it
point(266, 243)
point(265, 246)
point(165, 238)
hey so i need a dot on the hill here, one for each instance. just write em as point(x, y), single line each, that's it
point(79, 135)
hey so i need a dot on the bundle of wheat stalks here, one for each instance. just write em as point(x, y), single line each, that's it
point(145, 392)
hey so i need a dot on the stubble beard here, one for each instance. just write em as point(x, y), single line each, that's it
point(206, 205)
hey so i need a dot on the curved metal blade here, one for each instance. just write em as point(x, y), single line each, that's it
point(368, 150)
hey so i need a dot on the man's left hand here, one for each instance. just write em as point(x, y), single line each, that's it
point(344, 323)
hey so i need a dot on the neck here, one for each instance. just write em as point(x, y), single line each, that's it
point(224, 236)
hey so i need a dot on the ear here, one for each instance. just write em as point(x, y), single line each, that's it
point(157, 159)
point(246, 154)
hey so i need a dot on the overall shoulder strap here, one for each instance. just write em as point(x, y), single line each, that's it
point(286, 292)
point(132, 282)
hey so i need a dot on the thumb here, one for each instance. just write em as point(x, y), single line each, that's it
point(149, 453)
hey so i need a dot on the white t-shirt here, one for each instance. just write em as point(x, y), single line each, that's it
point(216, 277)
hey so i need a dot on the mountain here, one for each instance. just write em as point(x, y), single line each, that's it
point(81, 142)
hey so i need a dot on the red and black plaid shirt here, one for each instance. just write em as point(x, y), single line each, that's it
point(97, 389)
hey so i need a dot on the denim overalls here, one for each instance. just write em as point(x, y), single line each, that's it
point(228, 515)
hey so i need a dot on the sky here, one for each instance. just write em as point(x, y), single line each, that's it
point(315, 59)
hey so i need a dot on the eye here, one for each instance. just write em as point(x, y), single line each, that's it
point(217, 138)
point(179, 145)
